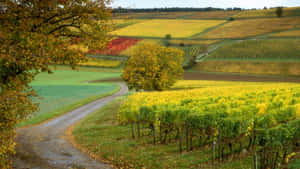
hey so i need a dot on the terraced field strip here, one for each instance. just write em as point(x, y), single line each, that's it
point(160, 28)
point(250, 28)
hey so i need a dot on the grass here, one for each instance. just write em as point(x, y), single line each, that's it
point(162, 27)
point(269, 49)
point(245, 67)
point(101, 135)
point(64, 91)
point(292, 33)
point(251, 27)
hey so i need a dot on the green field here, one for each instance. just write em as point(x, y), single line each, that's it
point(65, 90)
point(259, 50)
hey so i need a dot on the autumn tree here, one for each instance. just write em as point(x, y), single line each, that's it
point(153, 67)
point(33, 35)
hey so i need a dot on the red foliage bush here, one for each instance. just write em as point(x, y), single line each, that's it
point(116, 46)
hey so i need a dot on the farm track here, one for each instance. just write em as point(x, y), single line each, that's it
point(46, 147)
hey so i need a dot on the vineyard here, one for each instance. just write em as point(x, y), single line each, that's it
point(251, 27)
point(265, 50)
point(265, 119)
point(190, 53)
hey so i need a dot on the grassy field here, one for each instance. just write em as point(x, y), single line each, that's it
point(245, 67)
point(265, 50)
point(292, 33)
point(65, 90)
point(101, 135)
point(294, 11)
point(251, 27)
point(160, 28)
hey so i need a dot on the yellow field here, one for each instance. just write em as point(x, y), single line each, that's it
point(160, 28)
point(265, 13)
point(293, 33)
point(252, 27)
point(193, 42)
point(101, 63)
point(130, 50)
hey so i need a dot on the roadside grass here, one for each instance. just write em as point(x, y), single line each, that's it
point(162, 27)
point(101, 135)
point(246, 67)
point(251, 27)
point(64, 91)
point(267, 49)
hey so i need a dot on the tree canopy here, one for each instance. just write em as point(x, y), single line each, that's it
point(33, 35)
point(153, 67)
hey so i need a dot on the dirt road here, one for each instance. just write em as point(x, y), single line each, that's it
point(44, 146)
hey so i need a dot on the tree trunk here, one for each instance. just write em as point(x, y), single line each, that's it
point(132, 130)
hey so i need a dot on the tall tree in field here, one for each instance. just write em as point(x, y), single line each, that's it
point(33, 35)
point(279, 11)
point(153, 67)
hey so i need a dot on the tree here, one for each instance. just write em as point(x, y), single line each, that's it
point(33, 35)
point(279, 11)
point(153, 67)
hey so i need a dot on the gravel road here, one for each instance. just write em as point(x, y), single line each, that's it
point(44, 146)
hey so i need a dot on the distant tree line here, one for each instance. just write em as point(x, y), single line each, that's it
point(126, 10)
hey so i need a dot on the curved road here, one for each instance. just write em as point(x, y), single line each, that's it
point(44, 146)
